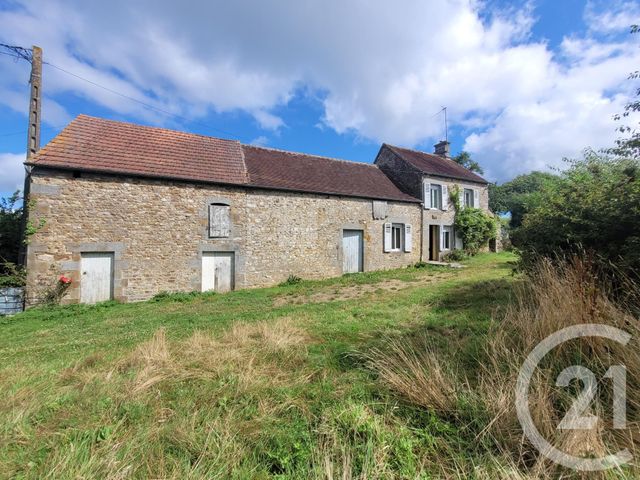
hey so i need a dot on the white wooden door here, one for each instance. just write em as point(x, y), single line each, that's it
point(96, 284)
point(217, 271)
point(351, 251)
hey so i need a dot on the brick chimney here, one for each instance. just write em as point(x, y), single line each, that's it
point(442, 148)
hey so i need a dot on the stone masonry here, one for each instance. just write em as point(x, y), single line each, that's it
point(157, 231)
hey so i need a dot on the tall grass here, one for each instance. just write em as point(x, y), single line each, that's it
point(482, 402)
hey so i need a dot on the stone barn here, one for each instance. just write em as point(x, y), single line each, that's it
point(130, 211)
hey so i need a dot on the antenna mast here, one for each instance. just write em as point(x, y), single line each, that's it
point(446, 127)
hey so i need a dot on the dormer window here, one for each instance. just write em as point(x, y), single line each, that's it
point(219, 220)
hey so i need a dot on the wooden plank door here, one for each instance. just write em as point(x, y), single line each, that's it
point(208, 272)
point(96, 284)
point(434, 242)
point(352, 251)
point(223, 271)
point(217, 271)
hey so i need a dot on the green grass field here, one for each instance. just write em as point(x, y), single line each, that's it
point(265, 383)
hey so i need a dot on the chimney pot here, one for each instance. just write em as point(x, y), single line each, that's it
point(442, 148)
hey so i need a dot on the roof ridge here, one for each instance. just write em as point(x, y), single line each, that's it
point(153, 127)
point(416, 150)
point(352, 162)
point(439, 158)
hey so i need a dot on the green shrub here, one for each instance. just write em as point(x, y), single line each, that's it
point(12, 275)
point(10, 224)
point(595, 207)
point(475, 227)
point(291, 280)
point(455, 256)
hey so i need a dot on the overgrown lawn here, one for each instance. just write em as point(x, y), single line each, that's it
point(265, 383)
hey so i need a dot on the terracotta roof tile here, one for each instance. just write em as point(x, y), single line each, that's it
point(431, 164)
point(95, 144)
point(280, 169)
point(98, 145)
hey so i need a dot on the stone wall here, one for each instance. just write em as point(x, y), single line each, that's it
point(447, 217)
point(294, 234)
point(405, 176)
point(157, 231)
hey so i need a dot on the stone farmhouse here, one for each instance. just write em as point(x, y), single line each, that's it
point(130, 211)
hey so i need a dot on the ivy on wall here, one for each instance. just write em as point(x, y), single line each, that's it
point(474, 226)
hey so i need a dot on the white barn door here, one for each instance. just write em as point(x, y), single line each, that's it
point(96, 284)
point(351, 251)
point(217, 271)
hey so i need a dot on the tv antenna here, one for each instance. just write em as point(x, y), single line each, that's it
point(446, 127)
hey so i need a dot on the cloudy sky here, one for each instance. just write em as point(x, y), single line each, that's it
point(524, 83)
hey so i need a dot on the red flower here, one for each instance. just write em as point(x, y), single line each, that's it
point(64, 280)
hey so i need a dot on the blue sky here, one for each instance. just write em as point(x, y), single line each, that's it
point(525, 83)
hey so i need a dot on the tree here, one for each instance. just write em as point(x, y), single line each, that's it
point(518, 195)
point(629, 147)
point(464, 159)
point(10, 224)
point(594, 206)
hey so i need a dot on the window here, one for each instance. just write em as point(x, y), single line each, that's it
point(468, 197)
point(446, 238)
point(397, 236)
point(436, 196)
point(219, 220)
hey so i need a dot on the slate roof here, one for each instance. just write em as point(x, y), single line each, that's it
point(431, 164)
point(97, 145)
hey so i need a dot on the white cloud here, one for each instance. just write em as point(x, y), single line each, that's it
point(12, 168)
point(267, 120)
point(381, 69)
point(260, 141)
point(617, 16)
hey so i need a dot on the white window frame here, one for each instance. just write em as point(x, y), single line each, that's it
point(447, 233)
point(437, 188)
point(397, 241)
point(469, 194)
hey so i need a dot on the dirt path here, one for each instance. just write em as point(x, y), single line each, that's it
point(336, 293)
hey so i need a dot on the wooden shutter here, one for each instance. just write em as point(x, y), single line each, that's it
point(387, 237)
point(461, 197)
point(441, 238)
point(219, 221)
point(427, 195)
point(408, 242)
point(445, 197)
point(476, 198)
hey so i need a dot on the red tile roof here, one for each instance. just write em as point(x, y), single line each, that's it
point(106, 146)
point(284, 170)
point(99, 145)
point(431, 164)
